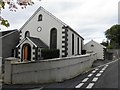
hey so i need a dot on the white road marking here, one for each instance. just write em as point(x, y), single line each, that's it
point(79, 85)
point(101, 71)
point(95, 79)
point(90, 85)
point(85, 80)
point(94, 71)
point(106, 65)
point(99, 74)
point(37, 88)
point(90, 75)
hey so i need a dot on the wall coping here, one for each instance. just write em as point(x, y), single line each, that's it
point(13, 60)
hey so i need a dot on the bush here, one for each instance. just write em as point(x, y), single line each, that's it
point(50, 53)
point(83, 52)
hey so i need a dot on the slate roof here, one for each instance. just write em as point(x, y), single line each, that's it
point(5, 33)
point(38, 42)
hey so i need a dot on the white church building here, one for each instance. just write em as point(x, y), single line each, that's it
point(94, 47)
point(44, 30)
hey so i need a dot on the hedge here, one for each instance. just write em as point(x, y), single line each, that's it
point(50, 53)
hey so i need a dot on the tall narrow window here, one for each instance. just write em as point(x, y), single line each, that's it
point(72, 44)
point(78, 45)
point(40, 17)
point(27, 34)
point(81, 46)
point(53, 38)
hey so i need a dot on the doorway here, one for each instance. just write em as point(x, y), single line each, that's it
point(26, 52)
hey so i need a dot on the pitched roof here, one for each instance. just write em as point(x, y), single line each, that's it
point(35, 41)
point(7, 33)
point(41, 8)
point(96, 43)
point(38, 42)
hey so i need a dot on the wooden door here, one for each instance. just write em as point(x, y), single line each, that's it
point(25, 53)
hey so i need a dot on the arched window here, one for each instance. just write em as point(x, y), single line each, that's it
point(72, 44)
point(78, 45)
point(53, 38)
point(40, 17)
point(27, 34)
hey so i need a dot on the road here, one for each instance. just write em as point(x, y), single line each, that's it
point(105, 76)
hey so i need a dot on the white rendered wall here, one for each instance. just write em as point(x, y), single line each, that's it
point(47, 24)
point(20, 50)
point(75, 43)
point(46, 71)
point(96, 49)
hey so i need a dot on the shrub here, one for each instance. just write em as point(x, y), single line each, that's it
point(50, 53)
point(83, 52)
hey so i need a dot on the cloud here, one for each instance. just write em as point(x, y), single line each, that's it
point(90, 18)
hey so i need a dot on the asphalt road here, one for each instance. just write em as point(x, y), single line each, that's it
point(110, 77)
point(105, 76)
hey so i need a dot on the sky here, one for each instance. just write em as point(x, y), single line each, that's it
point(90, 18)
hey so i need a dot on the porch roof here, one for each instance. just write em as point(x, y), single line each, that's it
point(38, 42)
point(35, 41)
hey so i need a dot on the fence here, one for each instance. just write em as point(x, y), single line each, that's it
point(53, 70)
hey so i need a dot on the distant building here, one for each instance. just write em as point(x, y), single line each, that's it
point(43, 30)
point(8, 41)
point(95, 47)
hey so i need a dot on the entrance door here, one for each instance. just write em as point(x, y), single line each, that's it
point(26, 52)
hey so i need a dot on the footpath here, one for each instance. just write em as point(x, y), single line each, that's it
point(100, 62)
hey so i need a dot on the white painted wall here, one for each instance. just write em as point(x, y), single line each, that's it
point(20, 50)
point(47, 24)
point(75, 43)
point(99, 49)
point(45, 71)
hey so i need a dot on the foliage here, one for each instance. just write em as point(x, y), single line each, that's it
point(50, 53)
point(13, 6)
point(105, 43)
point(113, 35)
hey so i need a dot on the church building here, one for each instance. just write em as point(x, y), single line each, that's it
point(44, 30)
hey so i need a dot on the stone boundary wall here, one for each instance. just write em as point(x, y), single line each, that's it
point(115, 52)
point(46, 71)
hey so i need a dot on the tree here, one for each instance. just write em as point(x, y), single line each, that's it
point(13, 6)
point(105, 43)
point(113, 35)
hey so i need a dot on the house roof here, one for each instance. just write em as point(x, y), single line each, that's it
point(74, 32)
point(41, 8)
point(7, 33)
point(96, 43)
point(38, 42)
point(35, 41)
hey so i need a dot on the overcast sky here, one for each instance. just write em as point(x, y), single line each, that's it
point(90, 18)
